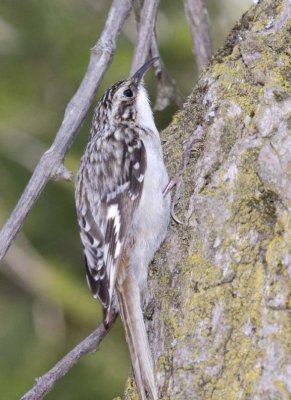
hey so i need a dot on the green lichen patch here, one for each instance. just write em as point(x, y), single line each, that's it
point(131, 390)
point(278, 288)
point(221, 285)
point(236, 84)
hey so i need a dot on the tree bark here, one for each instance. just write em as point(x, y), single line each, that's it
point(219, 319)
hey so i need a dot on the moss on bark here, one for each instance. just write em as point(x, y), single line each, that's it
point(221, 283)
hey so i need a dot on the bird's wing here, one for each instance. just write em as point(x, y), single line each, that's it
point(104, 224)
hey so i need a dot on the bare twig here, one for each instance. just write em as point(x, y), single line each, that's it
point(198, 20)
point(45, 383)
point(50, 163)
point(146, 28)
point(166, 88)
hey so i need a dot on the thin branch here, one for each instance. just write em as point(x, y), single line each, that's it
point(166, 88)
point(146, 28)
point(45, 383)
point(50, 163)
point(198, 19)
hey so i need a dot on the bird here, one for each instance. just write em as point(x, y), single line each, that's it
point(122, 212)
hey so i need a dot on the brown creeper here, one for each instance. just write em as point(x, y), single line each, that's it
point(122, 212)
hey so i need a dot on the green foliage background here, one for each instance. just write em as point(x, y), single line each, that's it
point(45, 305)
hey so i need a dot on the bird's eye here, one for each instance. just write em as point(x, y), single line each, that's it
point(128, 93)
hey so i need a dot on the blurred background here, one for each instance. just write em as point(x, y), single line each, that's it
point(45, 305)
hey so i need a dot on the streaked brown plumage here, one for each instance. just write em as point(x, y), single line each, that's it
point(122, 213)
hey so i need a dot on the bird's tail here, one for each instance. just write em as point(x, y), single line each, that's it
point(136, 337)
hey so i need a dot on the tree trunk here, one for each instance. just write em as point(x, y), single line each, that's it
point(220, 321)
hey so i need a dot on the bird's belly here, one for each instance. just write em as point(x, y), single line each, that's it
point(151, 219)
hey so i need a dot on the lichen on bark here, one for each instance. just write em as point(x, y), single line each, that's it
point(221, 282)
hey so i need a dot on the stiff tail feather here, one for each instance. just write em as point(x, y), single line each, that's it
point(136, 337)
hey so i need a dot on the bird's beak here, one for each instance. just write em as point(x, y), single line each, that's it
point(137, 77)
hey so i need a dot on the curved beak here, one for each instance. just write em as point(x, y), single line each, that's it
point(137, 77)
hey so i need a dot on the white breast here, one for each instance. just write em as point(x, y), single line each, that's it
point(151, 219)
point(144, 112)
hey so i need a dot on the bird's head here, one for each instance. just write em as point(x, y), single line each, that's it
point(126, 101)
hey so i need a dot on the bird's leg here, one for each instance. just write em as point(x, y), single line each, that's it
point(175, 181)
